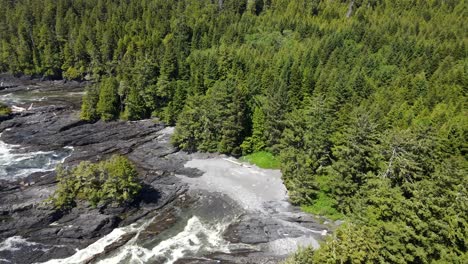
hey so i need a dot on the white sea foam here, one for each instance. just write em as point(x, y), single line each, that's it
point(16, 164)
point(17, 243)
point(10, 99)
point(194, 238)
point(97, 247)
point(14, 243)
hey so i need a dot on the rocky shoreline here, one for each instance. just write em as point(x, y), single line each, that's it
point(170, 199)
point(55, 124)
point(23, 211)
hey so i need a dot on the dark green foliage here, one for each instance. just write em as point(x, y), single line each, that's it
point(256, 142)
point(111, 181)
point(356, 158)
point(190, 128)
point(214, 122)
point(350, 244)
point(89, 105)
point(135, 105)
point(108, 105)
point(306, 149)
point(367, 112)
point(301, 256)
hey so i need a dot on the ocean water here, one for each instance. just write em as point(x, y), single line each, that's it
point(16, 163)
point(195, 238)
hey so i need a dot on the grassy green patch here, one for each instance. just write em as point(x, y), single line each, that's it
point(262, 159)
point(324, 206)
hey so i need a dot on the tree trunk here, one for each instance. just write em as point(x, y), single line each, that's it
point(350, 9)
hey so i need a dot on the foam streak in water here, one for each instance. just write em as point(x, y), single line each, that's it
point(12, 248)
point(195, 238)
point(15, 164)
point(98, 247)
point(10, 99)
point(15, 243)
point(88, 253)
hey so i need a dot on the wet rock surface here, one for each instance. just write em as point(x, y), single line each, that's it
point(28, 92)
point(220, 221)
point(23, 210)
point(266, 227)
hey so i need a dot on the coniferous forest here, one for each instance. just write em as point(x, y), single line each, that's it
point(364, 102)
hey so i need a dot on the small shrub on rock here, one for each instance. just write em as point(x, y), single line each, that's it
point(4, 110)
point(111, 181)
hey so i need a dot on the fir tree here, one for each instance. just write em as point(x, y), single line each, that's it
point(108, 105)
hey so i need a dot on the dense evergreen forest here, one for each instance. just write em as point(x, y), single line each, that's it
point(363, 101)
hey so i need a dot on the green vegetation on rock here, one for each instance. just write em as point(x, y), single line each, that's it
point(4, 110)
point(113, 181)
point(262, 159)
point(324, 206)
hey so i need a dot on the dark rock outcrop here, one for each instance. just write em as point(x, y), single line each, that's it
point(24, 211)
point(36, 232)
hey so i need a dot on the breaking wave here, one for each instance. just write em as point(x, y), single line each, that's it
point(16, 163)
point(195, 239)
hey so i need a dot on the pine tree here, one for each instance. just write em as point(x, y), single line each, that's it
point(257, 141)
point(233, 129)
point(108, 105)
point(89, 106)
point(275, 108)
point(135, 105)
point(189, 129)
point(357, 158)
